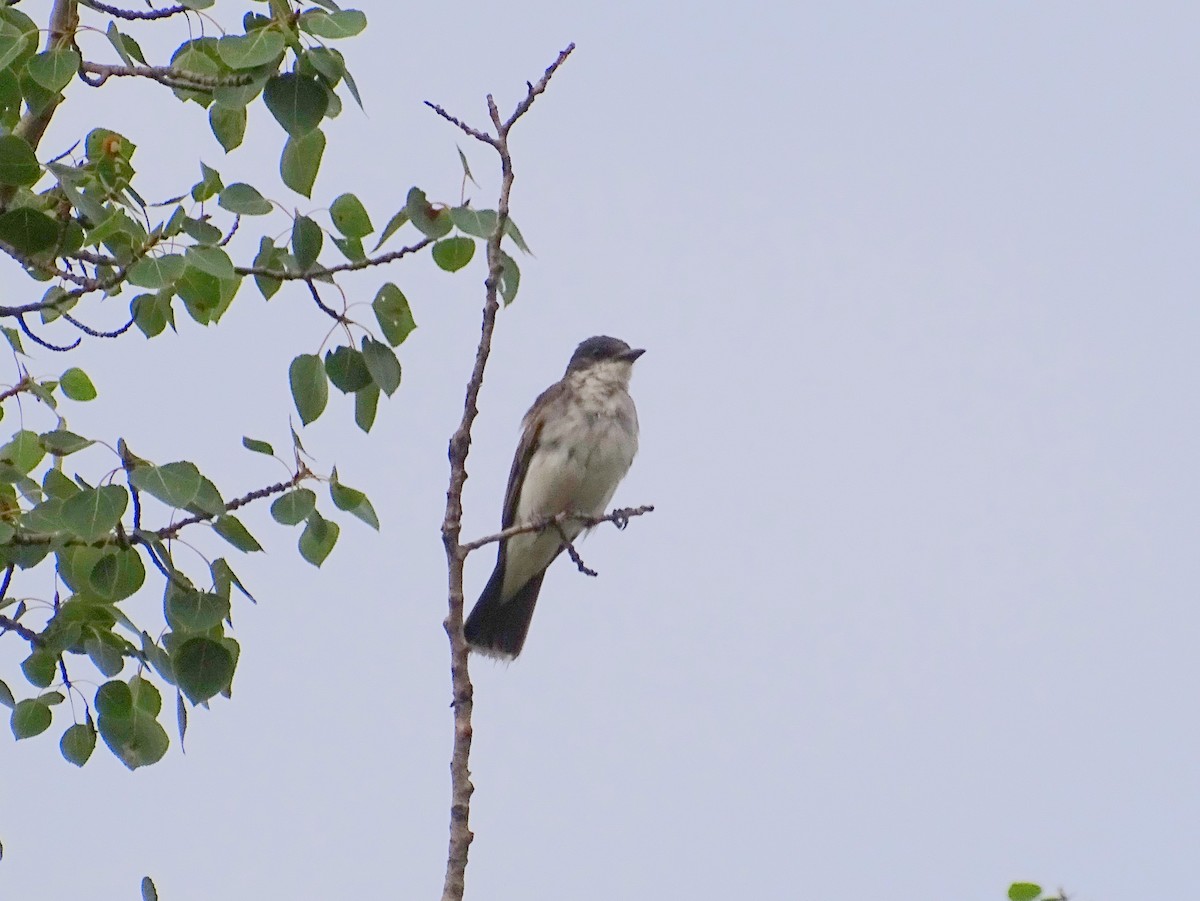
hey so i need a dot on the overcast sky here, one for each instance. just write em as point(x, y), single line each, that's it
point(916, 614)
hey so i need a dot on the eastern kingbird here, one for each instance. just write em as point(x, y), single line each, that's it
point(577, 442)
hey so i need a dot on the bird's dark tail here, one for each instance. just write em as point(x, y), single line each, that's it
point(496, 627)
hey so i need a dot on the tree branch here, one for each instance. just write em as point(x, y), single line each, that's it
point(284, 275)
point(620, 518)
point(278, 488)
point(460, 444)
point(168, 75)
point(133, 13)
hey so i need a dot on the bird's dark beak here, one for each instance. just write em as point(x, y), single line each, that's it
point(632, 354)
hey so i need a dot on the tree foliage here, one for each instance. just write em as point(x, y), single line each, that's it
point(85, 522)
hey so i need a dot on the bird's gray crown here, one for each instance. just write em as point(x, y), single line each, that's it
point(600, 348)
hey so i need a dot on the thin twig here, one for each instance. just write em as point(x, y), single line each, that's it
point(168, 75)
point(620, 518)
point(327, 310)
point(460, 445)
point(59, 348)
point(278, 488)
point(283, 275)
point(133, 13)
point(11, 625)
point(96, 333)
point(572, 553)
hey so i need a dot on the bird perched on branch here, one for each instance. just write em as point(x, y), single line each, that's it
point(577, 442)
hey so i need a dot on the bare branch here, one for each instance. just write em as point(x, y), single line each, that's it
point(36, 339)
point(619, 517)
point(278, 488)
point(327, 310)
point(283, 275)
point(473, 132)
point(11, 625)
point(168, 75)
point(461, 788)
point(96, 333)
point(133, 13)
point(574, 554)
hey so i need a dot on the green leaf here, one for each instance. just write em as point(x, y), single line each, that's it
point(60, 442)
point(480, 223)
point(382, 364)
point(453, 254)
point(188, 610)
point(209, 184)
point(207, 500)
point(293, 508)
point(353, 502)
point(244, 199)
point(6, 696)
point(510, 229)
point(127, 48)
point(430, 222)
point(466, 167)
point(392, 310)
point(1024, 891)
point(256, 48)
point(351, 248)
point(259, 447)
point(203, 667)
point(157, 272)
point(118, 574)
point(39, 667)
point(228, 125)
point(300, 161)
point(137, 738)
point(232, 530)
point(12, 46)
point(350, 216)
point(212, 261)
point(342, 24)
point(365, 403)
point(57, 485)
point(76, 385)
point(114, 699)
point(24, 451)
point(510, 278)
point(203, 232)
point(18, 165)
point(310, 388)
point(267, 258)
point(393, 226)
point(104, 656)
point(297, 103)
point(54, 69)
point(346, 369)
point(175, 484)
point(77, 743)
point(307, 239)
point(29, 718)
point(152, 313)
point(92, 513)
point(318, 538)
point(180, 722)
point(28, 231)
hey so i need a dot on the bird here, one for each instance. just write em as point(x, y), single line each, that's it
point(577, 443)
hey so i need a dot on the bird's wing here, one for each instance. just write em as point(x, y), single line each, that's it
point(531, 433)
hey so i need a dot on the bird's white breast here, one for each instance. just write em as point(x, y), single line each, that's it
point(581, 457)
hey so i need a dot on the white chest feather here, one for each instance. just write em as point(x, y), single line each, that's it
point(583, 452)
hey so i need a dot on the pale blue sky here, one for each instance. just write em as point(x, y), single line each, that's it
point(916, 614)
